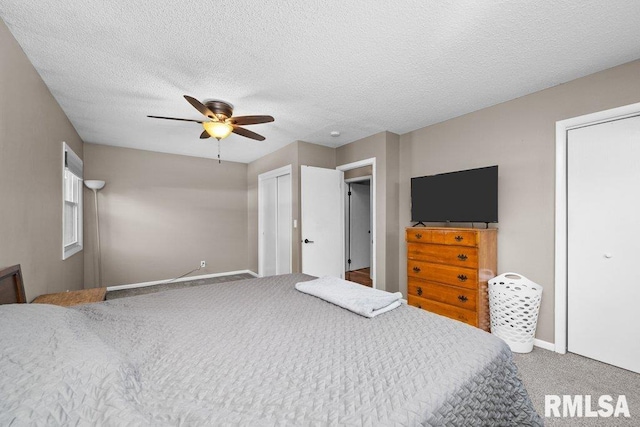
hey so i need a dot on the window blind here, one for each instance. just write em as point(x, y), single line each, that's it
point(72, 162)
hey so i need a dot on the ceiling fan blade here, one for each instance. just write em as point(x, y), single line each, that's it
point(200, 107)
point(175, 118)
point(247, 133)
point(204, 135)
point(251, 120)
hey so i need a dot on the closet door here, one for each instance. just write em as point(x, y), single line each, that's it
point(283, 243)
point(604, 242)
point(275, 212)
point(269, 204)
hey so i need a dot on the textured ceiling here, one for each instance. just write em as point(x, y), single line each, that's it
point(359, 67)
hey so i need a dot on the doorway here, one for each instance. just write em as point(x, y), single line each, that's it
point(358, 225)
point(364, 169)
point(274, 222)
point(322, 215)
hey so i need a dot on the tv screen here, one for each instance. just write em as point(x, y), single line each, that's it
point(464, 196)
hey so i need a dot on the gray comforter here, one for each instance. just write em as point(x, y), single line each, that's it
point(252, 352)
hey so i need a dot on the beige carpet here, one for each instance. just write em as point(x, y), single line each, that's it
point(545, 372)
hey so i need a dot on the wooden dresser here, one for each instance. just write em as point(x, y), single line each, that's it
point(448, 269)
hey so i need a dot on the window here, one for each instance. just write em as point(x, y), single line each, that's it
point(72, 203)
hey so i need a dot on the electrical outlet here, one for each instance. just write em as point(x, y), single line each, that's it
point(203, 264)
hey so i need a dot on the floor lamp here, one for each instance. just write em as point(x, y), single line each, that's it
point(95, 185)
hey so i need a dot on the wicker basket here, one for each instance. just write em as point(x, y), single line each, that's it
point(514, 303)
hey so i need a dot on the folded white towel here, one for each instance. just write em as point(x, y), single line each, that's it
point(360, 299)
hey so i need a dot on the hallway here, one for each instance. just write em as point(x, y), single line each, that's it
point(362, 276)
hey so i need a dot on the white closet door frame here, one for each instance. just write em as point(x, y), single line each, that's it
point(285, 170)
point(562, 128)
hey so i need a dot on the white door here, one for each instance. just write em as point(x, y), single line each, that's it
point(274, 201)
point(359, 230)
point(321, 221)
point(603, 178)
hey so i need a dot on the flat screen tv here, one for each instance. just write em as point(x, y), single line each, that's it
point(463, 196)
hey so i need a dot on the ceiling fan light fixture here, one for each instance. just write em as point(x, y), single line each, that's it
point(218, 130)
point(220, 121)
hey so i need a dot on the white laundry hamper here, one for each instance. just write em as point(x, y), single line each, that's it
point(514, 303)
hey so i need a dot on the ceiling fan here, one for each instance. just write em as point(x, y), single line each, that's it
point(220, 122)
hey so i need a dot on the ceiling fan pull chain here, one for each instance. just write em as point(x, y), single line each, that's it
point(219, 152)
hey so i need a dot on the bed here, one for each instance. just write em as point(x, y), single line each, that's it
point(250, 352)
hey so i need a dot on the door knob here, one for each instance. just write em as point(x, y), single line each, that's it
point(308, 241)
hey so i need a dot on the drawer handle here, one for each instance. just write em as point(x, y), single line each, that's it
point(459, 238)
point(462, 277)
point(418, 236)
point(419, 306)
point(462, 257)
point(416, 269)
point(419, 291)
point(462, 298)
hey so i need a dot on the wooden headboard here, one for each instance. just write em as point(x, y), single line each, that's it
point(11, 285)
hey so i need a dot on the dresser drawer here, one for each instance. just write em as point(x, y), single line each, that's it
point(452, 295)
point(467, 316)
point(425, 235)
point(442, 254)
point(460, 237)
point(454, 236)
point(458, 276)
point(418, 235)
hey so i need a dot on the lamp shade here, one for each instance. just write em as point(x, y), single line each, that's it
point(94, 184)
point(218, 130)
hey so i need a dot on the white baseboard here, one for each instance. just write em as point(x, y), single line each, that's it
point(182, 279)
point(544, 344)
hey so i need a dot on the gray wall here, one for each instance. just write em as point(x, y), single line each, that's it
point(519, 136)
point(316, 155)
point(160, 214)
point(32, 129)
